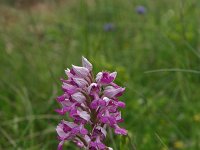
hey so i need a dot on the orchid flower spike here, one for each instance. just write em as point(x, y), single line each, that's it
point(89, 101)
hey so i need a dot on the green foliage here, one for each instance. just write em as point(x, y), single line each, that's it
point(36, 45)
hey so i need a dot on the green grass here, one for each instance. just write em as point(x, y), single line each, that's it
point(163, 107)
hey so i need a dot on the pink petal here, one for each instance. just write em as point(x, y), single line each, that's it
point(86, 64)
point(84, 115)
point(121, 131)
point(80, 71)
point(60, 145)
point(80, 82)
point(79, 97)
point(112, 92)
point(121, 104)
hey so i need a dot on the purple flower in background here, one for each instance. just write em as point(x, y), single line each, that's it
point(108, 27)
point(140, 10)
point(89, 101)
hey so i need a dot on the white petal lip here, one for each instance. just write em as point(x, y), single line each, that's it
point(60, 132)
point(91, 86)
point(86, 64)
point(107, 100)
point(102, 130)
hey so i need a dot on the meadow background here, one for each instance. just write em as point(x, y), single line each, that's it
point(156, 54)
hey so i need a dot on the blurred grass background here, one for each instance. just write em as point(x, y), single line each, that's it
point(156, 54)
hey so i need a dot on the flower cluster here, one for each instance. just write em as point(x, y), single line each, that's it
point(108, 27)
point(92, 104)
point(141, 10)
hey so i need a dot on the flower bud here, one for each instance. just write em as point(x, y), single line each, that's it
point(86, 64)
point(81, 72)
